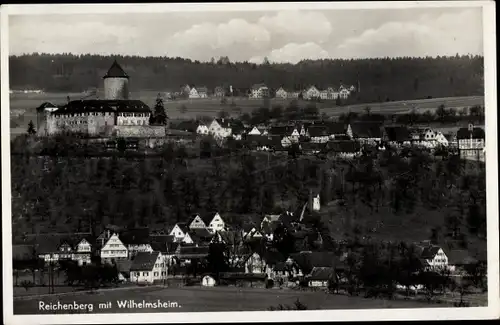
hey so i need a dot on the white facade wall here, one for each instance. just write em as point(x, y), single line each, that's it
point(158, 272)
point(116, 88)
point(177, 233)
point(202, 129)
point(114, 249)
point(130, 118)
point(217, 224)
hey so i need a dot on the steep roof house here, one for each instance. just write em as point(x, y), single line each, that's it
point(319, 276)
point(397, 135)
point(366, 132)
point(179, 231)
point(148, 267)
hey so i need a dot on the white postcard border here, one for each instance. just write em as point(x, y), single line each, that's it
point(489, 312)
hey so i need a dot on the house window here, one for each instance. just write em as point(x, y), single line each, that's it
point(145, 273)
point(155, 274)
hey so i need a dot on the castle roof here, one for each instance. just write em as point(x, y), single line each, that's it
point(103, 105)
point(116, 71)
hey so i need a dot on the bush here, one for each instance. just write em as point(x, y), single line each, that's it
point(27, 284)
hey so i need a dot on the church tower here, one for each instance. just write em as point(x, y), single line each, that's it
point(116, 83)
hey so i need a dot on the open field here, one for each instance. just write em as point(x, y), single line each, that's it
point(200, 299)
point(22, 106)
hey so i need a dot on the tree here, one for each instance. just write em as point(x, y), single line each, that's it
point(338, 101)
point(266, 61)
point(159, 115)
point(31, 128)
point(441, 113)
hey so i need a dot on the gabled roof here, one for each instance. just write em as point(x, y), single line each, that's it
point(201, 89)
point(429, 252)
point(258, 86)
point(477, 133)
point(200, 234)
point(144, 261)
point(135, 236)
point(336, 128)
point(318, 131)
point(47, 105)
point(343, 146)
point(116, 71)
point(397, 133)
point(306, 261)
point(188, 126)
point(225, 123)
point(103, 105)
point(322, 273)
point(183, 226)
point(192, 251)
point(366, 129)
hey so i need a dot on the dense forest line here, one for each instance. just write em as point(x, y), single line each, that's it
point(66, 194)
point(377, 79)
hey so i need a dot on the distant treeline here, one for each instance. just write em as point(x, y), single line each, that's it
point(377, 79)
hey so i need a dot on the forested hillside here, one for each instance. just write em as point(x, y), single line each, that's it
point(415, 195)
point(379, 79)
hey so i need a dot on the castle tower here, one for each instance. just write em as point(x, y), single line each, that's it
point(116, 83)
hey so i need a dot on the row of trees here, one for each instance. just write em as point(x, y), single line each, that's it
point(378, 79)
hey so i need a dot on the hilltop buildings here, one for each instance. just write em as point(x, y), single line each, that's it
point(116, 114)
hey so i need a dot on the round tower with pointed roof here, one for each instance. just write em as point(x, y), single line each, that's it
point(116, 83)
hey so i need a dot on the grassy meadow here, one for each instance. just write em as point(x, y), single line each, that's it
point(22, 106)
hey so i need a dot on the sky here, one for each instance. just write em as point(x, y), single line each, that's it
point(281, 36)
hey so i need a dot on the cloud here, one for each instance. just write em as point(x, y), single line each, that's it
point(293, 53)
point(218, 37)
point(298, 26)
point(77, 37)
point(448, 34)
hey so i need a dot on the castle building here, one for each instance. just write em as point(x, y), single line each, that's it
point(96, 116)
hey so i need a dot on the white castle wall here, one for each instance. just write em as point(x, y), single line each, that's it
point(129, 118)
point(116, 88)
point(140, 131)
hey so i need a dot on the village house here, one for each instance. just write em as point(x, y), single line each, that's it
point(344, 93)
point(219, 91)
point(318, 133)
point(186, 254)
point(303, 263)
point(254, 131)
point(220, 128)
point(320, 276)
point(312, 148)
point(185, 91)
point(136, 240)
point(201, 129)
point(113, 250)
point(366, 132)
point(311, 93)
point(179, 231)
point(197, 223)
point(471, 143)
point(441, 139)
point(397, 136)
point(198, 237)
point(338, 130)
point(148, 267)
point(343, 149)
point(123, 267)
point(293, 94)
point(259, 91)
point(262, 263)
point(459, 260)
point(281, 93)
point(332, 94)
point(217, 224)
point(250, 232)
point(433, 257)
point(323, 94)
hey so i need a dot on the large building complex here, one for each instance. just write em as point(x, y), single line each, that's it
point(97, 116)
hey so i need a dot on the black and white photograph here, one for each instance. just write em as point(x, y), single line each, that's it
point(249, 162)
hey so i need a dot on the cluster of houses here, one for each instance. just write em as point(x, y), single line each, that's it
point(146, 256)
point(344, 139)
point(260, 91)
